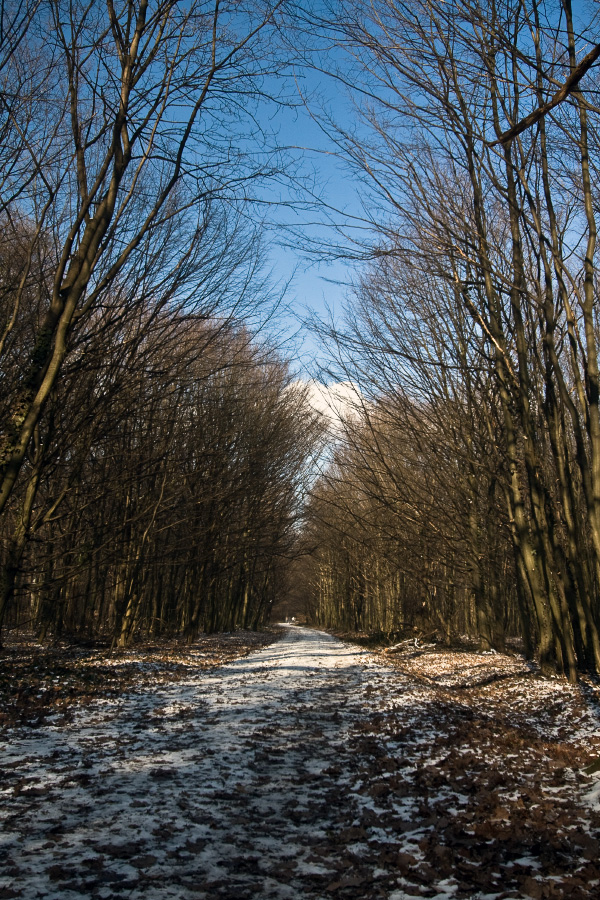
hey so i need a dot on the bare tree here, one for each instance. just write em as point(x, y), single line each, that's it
point(124, 135)
point(482, 146)
point(168, 502)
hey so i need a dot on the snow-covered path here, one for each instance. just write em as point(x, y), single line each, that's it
point(305, 771)
point(222, 786)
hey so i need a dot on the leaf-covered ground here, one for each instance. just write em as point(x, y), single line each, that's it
point(309, 769)
point(38, 681)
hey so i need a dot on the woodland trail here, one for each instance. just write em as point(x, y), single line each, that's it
point(305, 770)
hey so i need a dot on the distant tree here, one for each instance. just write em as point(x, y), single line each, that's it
point(168, 502)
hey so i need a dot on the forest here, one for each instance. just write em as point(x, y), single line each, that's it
point(162, 470)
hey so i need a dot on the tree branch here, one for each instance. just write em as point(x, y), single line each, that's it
point(561, 94)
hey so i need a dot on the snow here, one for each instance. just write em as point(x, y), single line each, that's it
point(592, 798)
point(172, 782)
point(309, 769)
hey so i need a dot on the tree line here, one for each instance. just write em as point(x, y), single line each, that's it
point(468, 497)
point(165, 502)
point(153, 448)
point(152, 445)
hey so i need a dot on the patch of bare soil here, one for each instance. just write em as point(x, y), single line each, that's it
point(37, 680)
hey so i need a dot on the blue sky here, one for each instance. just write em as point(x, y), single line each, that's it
point(317, 283)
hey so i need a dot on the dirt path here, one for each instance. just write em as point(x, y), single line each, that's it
point(306, 770)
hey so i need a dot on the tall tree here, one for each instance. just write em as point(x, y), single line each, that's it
point(119, 142)
point(488, 181)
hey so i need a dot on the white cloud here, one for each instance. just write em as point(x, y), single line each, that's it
point(337, 402)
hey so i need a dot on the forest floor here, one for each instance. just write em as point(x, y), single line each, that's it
point(40, 684)
point(310, 768)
